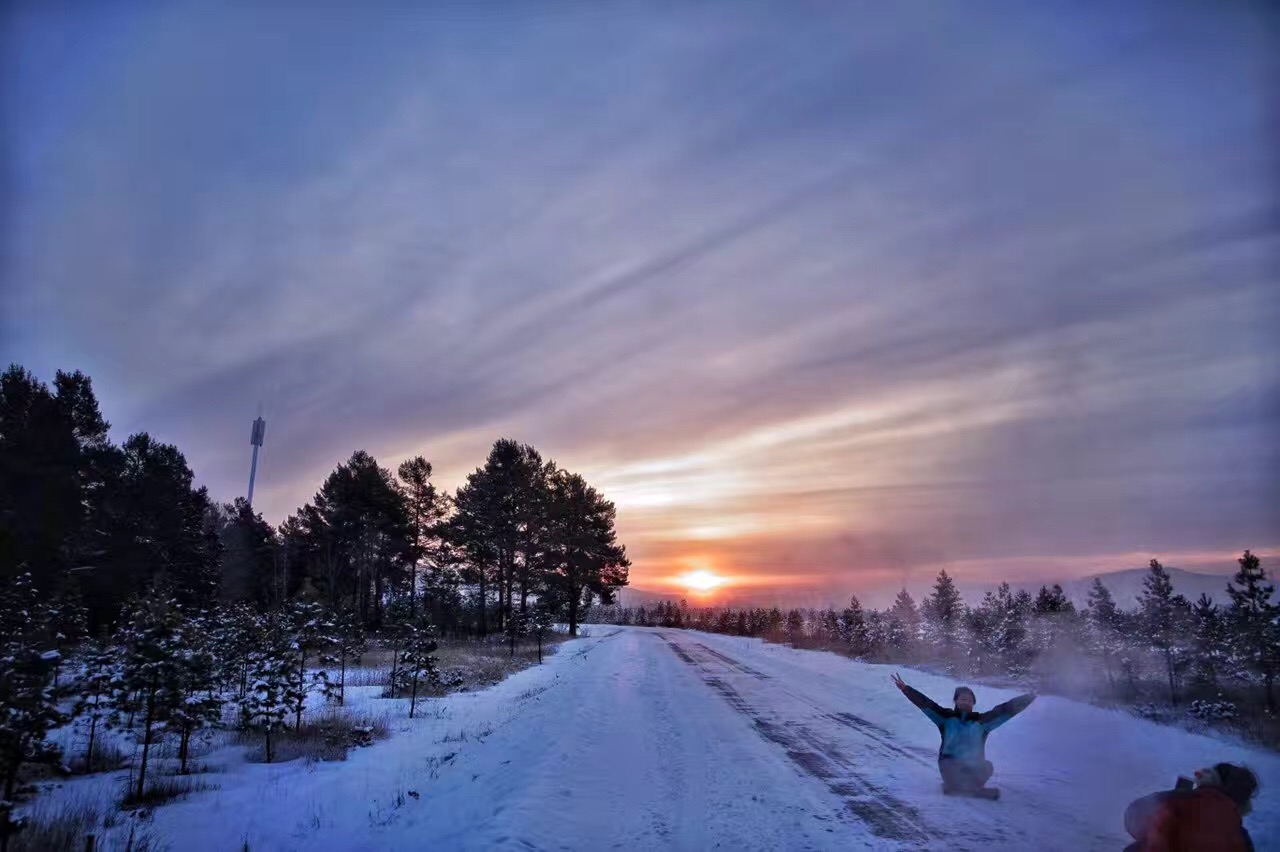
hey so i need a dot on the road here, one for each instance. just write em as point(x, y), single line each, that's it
point(664, 739)
point(649, 739)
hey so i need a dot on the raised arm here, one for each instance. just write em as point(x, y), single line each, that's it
point(918, 698)
point(1001, 713)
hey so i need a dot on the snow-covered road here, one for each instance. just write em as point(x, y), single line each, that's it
point(638, 738)
point(665, 739)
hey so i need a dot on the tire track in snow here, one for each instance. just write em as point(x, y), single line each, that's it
point(732, 663)
point(882, 812)
point(981, 827)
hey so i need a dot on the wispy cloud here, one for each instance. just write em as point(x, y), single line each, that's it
point(838, 294)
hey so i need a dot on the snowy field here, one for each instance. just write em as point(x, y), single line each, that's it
point(645, 738)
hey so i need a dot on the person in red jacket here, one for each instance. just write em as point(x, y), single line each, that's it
point(1206, 815)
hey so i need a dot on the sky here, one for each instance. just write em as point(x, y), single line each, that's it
point(823, 295)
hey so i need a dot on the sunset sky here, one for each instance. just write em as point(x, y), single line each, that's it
point(826, 294)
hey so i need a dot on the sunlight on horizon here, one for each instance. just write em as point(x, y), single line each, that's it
point(701, 580)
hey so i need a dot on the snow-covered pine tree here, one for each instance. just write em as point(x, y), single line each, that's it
point(853, 630)
point(152, 677)
point(349, 644)
point(98, 687)
point(66, 623)
point(1053, 619)
point(879, 630)
point(724, 622)
point(311, 633)
point(1254, 623)
point(1165, 619)
point(904, 624)
point(200, 704)
point(942, 616)
point(395, 632)
point(795, 627)
point(270, 696)
point(828, 626)
point(1210, 642)
point(1102, 628)
point(517, 627)
point(541, 621)
point(28, 707)
point(417, 660)
point(999, 631)
point(235, 634)
point(772, 622)
point(982, 623)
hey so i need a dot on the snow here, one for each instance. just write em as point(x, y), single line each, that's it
point(645, 738)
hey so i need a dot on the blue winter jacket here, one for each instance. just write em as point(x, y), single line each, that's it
point(964, 735)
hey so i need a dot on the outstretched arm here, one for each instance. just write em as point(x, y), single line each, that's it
point(918, 698)
point(1001, 713)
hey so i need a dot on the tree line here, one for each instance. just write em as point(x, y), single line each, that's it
point(99, 524)
point(176, 610)
point(1166, 647)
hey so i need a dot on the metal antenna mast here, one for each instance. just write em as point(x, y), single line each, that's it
point(259, 432)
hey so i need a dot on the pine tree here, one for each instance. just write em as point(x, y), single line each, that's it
point(66, 624)
point(199, 705)
point(517, 627)
point(543, 620)
point(250, 552)
point(1253, 619)
point(425, 508)
point(271, 695)
point(1164, 616)
point(98, 687)
point(417, 660)
point(160, 527)
point(1210, 641)
point(880, 631)
point(396, 634)
point(235, 633)
point(904, 623)
point(1053, 618)
point(28, 708)
point(1000, 632)
point(983, 623)
point(152, 671)
point(349, 644)
point(50, 444)
point(311, 633)
point(853, 629)
point(795, 627)
point(1102, 628)
point(1053, 601)
point(942, 614)
point(353, 539)
point(583, 557)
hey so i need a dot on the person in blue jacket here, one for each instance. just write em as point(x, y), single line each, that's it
point(962, 758)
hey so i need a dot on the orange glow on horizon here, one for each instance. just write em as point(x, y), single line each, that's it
point(701, 580)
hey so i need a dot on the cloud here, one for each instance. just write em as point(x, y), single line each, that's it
point(836, 294)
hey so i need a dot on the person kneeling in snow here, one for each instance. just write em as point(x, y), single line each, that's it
point(1205, 815)
point(962, 757)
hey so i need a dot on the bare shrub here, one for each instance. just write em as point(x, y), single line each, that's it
point(165, 788)
point(66, 823)
point(327, 738)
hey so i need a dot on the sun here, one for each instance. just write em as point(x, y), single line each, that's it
point(700, 581)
